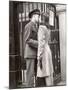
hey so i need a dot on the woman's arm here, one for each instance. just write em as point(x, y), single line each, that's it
point(41, 42)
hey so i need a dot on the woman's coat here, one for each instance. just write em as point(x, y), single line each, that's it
point(44, 52)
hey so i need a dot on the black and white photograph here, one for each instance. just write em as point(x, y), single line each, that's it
point(37, 44)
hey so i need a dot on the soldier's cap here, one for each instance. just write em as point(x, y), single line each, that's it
point(35, 11)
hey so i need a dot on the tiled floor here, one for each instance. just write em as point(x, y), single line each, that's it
point(40, 83)
point(62, 83)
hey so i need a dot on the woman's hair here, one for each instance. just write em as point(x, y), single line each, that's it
point(44, 20)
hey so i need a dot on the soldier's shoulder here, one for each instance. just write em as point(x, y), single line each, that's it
point(28, 25)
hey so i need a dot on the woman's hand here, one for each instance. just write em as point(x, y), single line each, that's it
point(40, 62)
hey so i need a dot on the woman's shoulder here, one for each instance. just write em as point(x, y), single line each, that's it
point(43, 26)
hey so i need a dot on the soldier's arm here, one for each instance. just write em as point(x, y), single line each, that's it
point(28, 33)
point(33, 43)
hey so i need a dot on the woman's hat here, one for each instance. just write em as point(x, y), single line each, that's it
point(35, 11)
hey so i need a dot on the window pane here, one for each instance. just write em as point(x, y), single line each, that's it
point(39, 6)
point(35, 5)
point(24, 12)
point(23, 16)
point(30, 6)
point(45, 8)
point(27, 11)
point(19, 17)
point(51, 18)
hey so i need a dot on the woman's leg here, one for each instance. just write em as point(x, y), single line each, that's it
point(49, 80)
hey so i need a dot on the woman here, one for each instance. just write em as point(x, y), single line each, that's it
point(44, 56)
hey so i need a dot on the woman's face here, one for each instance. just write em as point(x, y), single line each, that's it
point(42, 19)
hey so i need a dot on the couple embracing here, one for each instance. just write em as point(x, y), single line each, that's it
point(36, 37)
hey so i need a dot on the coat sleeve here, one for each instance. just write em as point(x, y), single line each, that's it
point(27, 37)
point(41, 42)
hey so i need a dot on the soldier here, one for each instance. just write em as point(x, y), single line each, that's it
point(30, 45)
